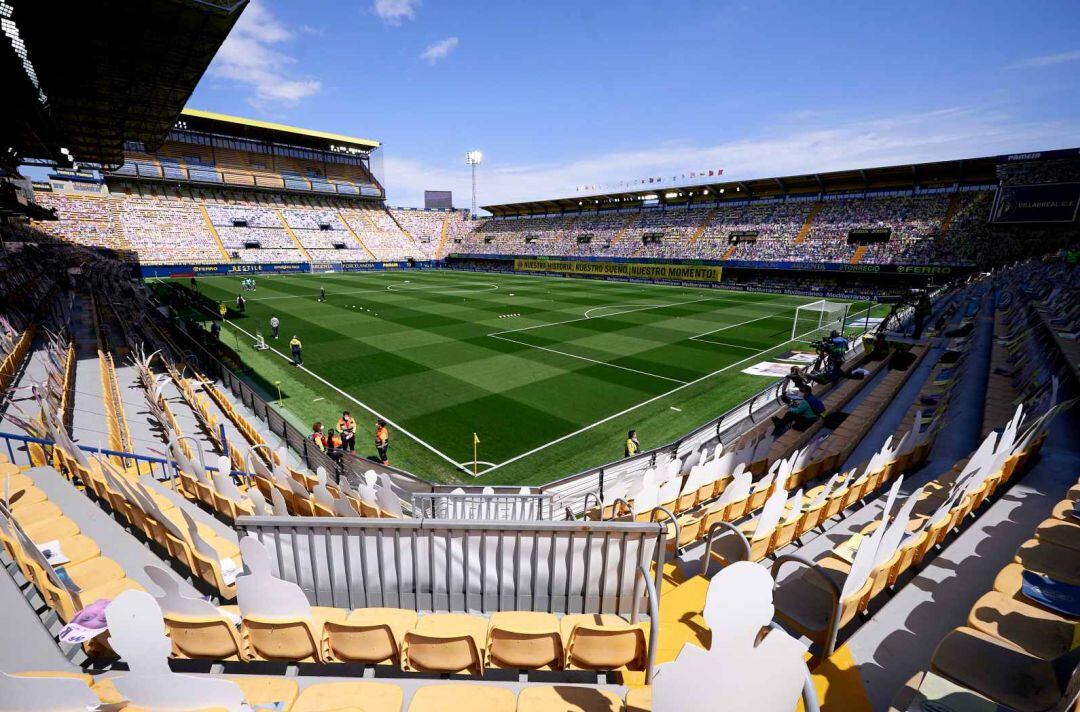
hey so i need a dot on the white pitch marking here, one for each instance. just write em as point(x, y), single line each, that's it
point(309, 296)
point(363, 405)
point(677, 410)
point(732, 326)
point(468, 464)
point(724, 343)
point(627, 311)
point(316, 400)
point(446, 289)
point(632, 408)
point(588, 315)
point(585, 358)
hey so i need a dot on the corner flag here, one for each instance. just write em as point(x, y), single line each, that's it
point(475, 443)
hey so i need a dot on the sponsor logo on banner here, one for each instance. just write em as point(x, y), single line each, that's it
point(633, 270)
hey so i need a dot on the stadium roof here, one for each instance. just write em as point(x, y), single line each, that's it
point(89, 76)
point(269, 131)
point(907, 176)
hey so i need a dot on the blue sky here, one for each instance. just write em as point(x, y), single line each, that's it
point(559, 94)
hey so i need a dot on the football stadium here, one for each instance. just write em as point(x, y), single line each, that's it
point(768, 440)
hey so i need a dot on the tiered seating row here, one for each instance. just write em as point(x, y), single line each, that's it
point(64, 565)
point(1018, 647)
point(825, 597)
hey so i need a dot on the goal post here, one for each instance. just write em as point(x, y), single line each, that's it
point(818, 318)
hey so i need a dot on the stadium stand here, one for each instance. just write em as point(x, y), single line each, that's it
point(829, 507)
point(172, 541)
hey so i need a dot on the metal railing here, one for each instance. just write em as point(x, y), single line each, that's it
point(474, 566)
point(496, 506)
point(160, 468)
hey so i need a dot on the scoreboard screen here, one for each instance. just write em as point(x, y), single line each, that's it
point(1046, 203)
point(438, 200)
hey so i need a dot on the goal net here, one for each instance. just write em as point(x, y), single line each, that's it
point(817, 319)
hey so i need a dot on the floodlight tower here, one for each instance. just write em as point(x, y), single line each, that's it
point(473, 158)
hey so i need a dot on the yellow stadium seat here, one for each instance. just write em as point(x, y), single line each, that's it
point(360, 696)
point(462, 698)
point(368, 635)
point(567, 698)
point(447, 643)
point(602, 642)
point(524, 640)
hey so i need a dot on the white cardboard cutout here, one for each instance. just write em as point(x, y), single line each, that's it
point(736, 673)
point(646, 500)
point(897, 529)
point(173, 601)
point(863, 563)
point(669, 491)
point(323, 496)
point(278, 501)
point(770, 514)
point(824, 491)
point(388, 501)
point(738, 488)
point(45, 694)
point(725, 464)
point(137, 634)
point(258, 502)
point(225, 486)
point(260, 593)
point(342, 508)
point(696, 478)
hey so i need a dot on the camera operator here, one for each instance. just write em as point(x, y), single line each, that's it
point(837, 347)
point(802, 411)
point(797, 377)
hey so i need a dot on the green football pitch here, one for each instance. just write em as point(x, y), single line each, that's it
point(548, 372)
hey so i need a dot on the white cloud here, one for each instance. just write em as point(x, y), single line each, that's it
point(1047, 60)
point(393, 12)
point(438, 51)
point(937, 135)
point(248, 57)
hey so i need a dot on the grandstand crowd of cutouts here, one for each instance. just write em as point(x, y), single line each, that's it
point(162, 224)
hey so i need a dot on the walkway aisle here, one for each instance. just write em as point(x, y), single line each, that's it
point(147, 437)
point(88, 417)
point(185, 418)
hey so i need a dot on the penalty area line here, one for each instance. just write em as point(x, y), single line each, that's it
point(632, 408)
point(585, 358)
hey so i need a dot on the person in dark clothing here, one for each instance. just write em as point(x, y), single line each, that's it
point(802, 411)
point(382, 441)
point(333, 444)
point(322, 294)
point(194, 285)
point(215, 329)
point(347, 428)
point(240, 303)
point(797, 377)
point(297, 354)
